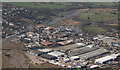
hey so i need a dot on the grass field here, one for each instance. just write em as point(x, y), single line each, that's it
point(57, 5)
point(42, 5)
point(104, 4)
point(98, 16)
point(95, 29)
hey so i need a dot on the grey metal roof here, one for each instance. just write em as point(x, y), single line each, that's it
point(82, 50)
point(93, 53)
point(67, 47)
point(47, 56)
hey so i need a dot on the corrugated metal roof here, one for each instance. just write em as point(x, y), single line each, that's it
point(56, 53)
point(82, 50)
point(106, 58)
point(65, 48)
point(45, 50)
point(93, 53)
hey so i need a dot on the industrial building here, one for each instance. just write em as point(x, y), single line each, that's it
point(49, 57)
point(74, 58)
point(45, 50)
point(72, 46)
point(35, 52)
point(56, 54)
point(93, 53)
point(46, 43)
point(64, 43)
point(109, 40)
point(94, 66)
point(81, 50)
point(102, 60)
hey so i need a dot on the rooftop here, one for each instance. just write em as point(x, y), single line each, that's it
point(93, 53)
point(82, 50)
point(40, 26)
point(46, 43)
point(64, 43)
point(106, 58)
point(56, 53)
point(45, 50)
point(67, 47)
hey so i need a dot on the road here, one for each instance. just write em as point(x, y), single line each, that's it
point(56, 19)
point(51, 22)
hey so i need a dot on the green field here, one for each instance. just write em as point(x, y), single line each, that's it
point(57, 5)
point(98, 16)
point(102, 4)
point(42, 5)
point(95, 29)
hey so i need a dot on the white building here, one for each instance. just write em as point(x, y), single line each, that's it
point(90, 46)
point(74, 57)
point(81, 44)
point(45, 50)
point(106, 58)
point(56, 53)
point(94, 66)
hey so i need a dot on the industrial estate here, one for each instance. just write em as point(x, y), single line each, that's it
point(57, 46)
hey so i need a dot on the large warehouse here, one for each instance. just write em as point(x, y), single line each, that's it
point(106, 58)
point(82, 50)
point(67, 47)
point(49, 57)
point(93, 53)
point(56, 53)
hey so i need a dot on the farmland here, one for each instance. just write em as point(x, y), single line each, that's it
point(95, 29)
point(43, 5)
point(99, 16)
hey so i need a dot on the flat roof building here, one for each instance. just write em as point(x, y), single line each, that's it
point(82, 50)
point(45, 50)
point(106, 58)
point(49, 57)
point(74, 57)
point(64, 43)
point(93, 53)
point(46, 43)
point(56, 53)
point(35, 52)
point(72, 46)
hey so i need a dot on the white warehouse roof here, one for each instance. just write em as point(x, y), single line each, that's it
point(90, 46)
point(45, 50)
point(56, 53)
point(94, 66)
point(81, 44)
point(74, 57)
point(93, 53)
point(106, 58)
